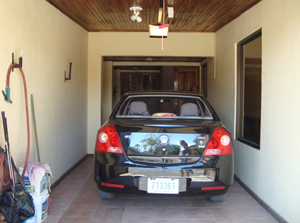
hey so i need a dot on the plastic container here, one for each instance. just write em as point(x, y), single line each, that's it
point(31, 220)
point(35, 191)
point(41, 208)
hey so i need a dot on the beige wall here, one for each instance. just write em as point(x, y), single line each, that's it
point(67, 112)
point(50, 41)
point(133, 44)
point(106, 90)
point(273, 172)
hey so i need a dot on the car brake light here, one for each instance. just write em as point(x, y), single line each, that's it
point(219, 143)
point(108, 140)
point(112, 185)
point(213, 188)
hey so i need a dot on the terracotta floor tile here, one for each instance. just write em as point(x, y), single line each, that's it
point(100, 212)
point(76, 199)
point(167, 197)
point(138, 220)
point(254, 212)
point(235, 220)
point(61, 200)
point(118, 202)
point(131, 202)
point(105, 220)
point(236, 186)
point(57, 210)
point(86, 201)
point(80, 172)
point(201, 221)
point(103, 202)
point(64, 192)
point(51, 219)
point(138, 213)
point(71, 185)
point(167, 213)
point(87, 169)
point(167, 220)
point(88, 192)
point(77, 178)
point(74, 220)
point(238, 193)
point(193, 202)
point(262, 220)
point(227, 203)
point(113, 212)
point(79, 211)
point(226, 213)
point(244, 201)
point(73, 182)
point(90, 184)
point(166, 203)
point(197, 213)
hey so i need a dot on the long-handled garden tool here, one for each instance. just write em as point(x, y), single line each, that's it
point(16, 204)
point(7, 150)
point(35, 131)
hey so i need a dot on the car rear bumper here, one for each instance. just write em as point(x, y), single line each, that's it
point(211, 176)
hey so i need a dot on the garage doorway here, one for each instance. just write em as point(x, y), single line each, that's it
point(121, 74)
point(162, 78)
point(151, 78)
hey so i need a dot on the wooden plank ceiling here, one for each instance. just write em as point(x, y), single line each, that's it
point(189, 15)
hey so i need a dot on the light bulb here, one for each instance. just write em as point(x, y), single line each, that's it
point(133, 17)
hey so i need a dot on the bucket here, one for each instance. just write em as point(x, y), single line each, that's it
point(41, 208)
point(35, 191)
point(31, 220)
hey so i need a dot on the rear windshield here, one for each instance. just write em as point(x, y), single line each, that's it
point(164, 107)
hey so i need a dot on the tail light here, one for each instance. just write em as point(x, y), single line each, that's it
point(213, 188)
point(219, 143)
point(112, 185)
point(108, 140)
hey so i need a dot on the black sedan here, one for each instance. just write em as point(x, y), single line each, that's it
point(163, 143)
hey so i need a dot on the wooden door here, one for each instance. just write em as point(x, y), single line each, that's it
point(185, 78)
point(140, 81)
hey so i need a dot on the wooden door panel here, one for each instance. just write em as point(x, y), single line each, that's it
point(186, 78)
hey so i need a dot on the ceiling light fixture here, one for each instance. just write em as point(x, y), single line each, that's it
point(136, 11)
point(159, 31)
point(170, 12)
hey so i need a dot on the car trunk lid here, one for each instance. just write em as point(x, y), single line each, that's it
point(155, 143)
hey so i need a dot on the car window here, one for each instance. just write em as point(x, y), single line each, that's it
point(164, 107)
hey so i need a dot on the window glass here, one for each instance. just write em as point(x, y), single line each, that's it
point(249, 90)
point(164, 107)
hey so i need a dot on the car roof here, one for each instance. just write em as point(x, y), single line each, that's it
point(161, 92)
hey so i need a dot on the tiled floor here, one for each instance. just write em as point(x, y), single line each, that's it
point(75, 200)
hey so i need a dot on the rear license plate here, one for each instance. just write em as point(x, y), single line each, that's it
point(163, 186)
